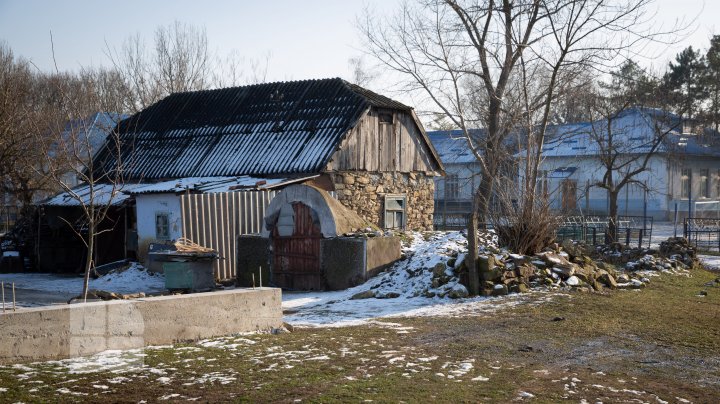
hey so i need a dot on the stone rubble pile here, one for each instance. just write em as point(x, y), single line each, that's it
point(437, 270)
point(575, 266)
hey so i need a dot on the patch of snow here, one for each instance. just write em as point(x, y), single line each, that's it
point(132, 280)
point(710, 261)
point(411, 280)
point(525, 394)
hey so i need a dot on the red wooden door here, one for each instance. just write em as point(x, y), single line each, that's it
point(296, 257)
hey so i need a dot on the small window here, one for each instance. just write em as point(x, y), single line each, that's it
point(162, 226)
point(452, 190)
point(705, 183)
point(395, 211)
point(685, 182)
point(385, 117)
point(541, 189)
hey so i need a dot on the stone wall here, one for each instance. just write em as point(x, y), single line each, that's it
point(364, 192)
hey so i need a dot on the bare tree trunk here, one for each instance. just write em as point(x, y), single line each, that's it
point(89, 255)
point(612, 216)
point(481, 202)
point(480, 206)
point(472, 256)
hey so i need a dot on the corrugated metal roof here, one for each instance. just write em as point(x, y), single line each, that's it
point(102, 194)
point(377, 100)
point(264, 129)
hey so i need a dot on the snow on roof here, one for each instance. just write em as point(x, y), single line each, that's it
point(635, 131)
point(452, 146)
point(562, 172)
point(103, 192)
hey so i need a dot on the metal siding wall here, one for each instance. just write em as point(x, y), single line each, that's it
point(215, 221)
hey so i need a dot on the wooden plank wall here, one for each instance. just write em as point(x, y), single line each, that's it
point(372, 146)
point(215, 220)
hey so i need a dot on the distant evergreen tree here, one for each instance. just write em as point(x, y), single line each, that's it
point(711, 82)
point(632, 82)
point(684, 83)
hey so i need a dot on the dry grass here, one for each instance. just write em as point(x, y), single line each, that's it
point(662, 342)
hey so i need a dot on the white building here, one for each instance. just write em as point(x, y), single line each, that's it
point(684, 171)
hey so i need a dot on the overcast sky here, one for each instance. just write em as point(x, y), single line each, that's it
point(306, 39)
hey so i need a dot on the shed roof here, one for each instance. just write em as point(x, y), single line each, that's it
point(259, 130)
point(121, 193)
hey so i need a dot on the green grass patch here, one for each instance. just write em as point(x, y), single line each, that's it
point(661, 342)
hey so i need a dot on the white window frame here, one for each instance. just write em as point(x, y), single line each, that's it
point(158, 231)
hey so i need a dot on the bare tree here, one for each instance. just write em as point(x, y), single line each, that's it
point(22, 103)
point(475, 62)
point(235, 69)
point(362, 75)
point(67, 140)
point(179, 61)
point(74, 139)
point(626, 138)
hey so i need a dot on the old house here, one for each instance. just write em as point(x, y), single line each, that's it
point(206, 164)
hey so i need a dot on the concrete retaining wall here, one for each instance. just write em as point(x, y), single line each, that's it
point(253, 255)
point(347, 262)
point(87, 328)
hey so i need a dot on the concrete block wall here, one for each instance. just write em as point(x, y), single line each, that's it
point(68, 331)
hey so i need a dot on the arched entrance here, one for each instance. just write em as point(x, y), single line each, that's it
point(296, 248)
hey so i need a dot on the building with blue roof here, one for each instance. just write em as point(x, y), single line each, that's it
point(684, 169)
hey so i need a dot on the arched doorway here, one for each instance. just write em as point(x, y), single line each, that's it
point(296, 248)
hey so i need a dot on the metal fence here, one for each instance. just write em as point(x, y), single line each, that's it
point(631, 230)
point(703, 233)
point(215, 220)
point(451, 220)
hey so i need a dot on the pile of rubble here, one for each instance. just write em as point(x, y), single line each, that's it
point(436, 267)
point(571, 265)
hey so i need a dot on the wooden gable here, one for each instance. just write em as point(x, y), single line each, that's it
point(386, 140)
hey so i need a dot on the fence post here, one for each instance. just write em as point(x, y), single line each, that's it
point(640, 238)
point(627, 237)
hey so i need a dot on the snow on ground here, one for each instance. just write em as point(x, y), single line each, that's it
point(710, 261)
point(664, 230)
point(409, 279)
point(132, 280)
point(661, 231)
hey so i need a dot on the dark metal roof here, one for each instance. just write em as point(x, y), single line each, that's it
point(264, 129)
point(377, 100)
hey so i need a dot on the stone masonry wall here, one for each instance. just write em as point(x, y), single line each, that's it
point(364, 193)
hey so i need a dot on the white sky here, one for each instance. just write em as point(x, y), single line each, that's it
point(306, 39)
